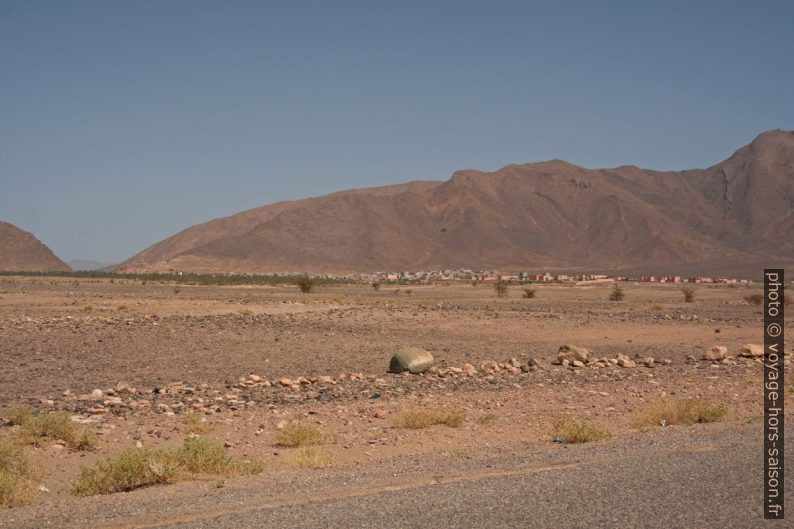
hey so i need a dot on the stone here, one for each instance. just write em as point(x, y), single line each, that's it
point(254, 378)
point(285, 382)
point(648, 361)
point(469, 370)
point(531, 362)
point(97, 394)
point(412, 359)
point(625, 361)
point(489, 366)
point(577, 363)
point(750, 350)
point(571, 353)
point(716, 353)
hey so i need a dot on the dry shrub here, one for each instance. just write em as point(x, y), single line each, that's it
point(310, 457)
point(754, 299)
point(427, 417)
point(194, 424)
point(133, 468)
point(678, 411)
point(33, 428)
point(530, 293)
point(572, 430)
point(18, 476)
point(298, 434)
point(486, 418)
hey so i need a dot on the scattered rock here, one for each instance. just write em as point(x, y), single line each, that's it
point(716, 353)
point(469, 370)
point(625, 361)
point(750, 350)
point(571, 353)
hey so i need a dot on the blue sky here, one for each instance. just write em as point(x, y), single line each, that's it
point(124, 122)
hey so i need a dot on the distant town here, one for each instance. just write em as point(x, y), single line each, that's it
point(531, 277)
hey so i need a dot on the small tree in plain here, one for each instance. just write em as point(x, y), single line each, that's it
point(617, 293)
point(305, 284)
point(500, 286)
point(689, 294)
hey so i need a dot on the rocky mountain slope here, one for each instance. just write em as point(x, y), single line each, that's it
point(21, 251)
point(733, 217)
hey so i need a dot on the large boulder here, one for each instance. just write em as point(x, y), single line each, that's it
point(413, 359)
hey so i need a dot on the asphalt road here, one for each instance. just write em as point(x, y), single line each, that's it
point(691, 477)
point(717, 488)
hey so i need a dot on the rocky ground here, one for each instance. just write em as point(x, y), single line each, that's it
point(128, 360)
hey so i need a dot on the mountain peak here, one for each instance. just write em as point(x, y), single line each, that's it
point(21, 251)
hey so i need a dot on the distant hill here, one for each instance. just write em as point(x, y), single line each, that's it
point(734, 217)
point(21, 251)
point(86, 264)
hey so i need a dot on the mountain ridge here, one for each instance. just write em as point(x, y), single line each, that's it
point(550, 214)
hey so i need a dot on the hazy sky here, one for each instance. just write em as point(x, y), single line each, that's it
point(124, 122)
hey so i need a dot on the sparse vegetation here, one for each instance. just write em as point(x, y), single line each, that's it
point(305, 284)
point(194, 424)
point(18, 475)
point(678, 411)
point(375, 285)
point(121, 307)
point(617, 293)
point(185, 278)
point(689, 294)
point(426, 417)
point(311, 457)
point(177, 290)
point(530, 293)
point(754, 299)
point(299, 434)
point(33, 428)
point(656, 307)
point(571, 430)
point(133, 468)
point(17, 414)
point(486, 418)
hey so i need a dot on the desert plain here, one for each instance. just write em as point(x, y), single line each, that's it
point(146, 365)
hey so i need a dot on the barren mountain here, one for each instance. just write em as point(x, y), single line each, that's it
point(734, 217)
point(21, 251)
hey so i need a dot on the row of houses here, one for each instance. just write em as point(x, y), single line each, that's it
point(533, 277)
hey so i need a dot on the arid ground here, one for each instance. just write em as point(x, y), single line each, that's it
point(129, 360)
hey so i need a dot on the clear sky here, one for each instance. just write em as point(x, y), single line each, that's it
point(124, 122)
